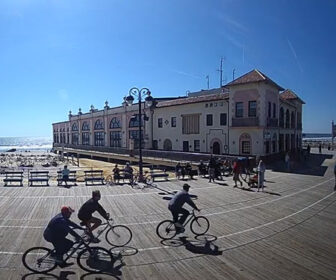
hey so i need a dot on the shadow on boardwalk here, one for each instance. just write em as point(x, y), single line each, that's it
point(312, 165)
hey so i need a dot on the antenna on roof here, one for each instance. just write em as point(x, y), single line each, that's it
point(221, 72)
point(233, 73)
point(207, 77)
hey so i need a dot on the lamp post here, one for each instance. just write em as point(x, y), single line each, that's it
point(140, 93)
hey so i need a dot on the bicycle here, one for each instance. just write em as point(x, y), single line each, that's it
point(112, 180)
point(199, 225)
point(90, 259)
point(116, 235)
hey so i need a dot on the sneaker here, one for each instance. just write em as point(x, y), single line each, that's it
point(180, 230)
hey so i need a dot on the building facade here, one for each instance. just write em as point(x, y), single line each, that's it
point(251, 115)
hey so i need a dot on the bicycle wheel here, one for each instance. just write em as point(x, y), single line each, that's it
point(109, 180)
point(118, 235)
point(95, 259)
point(166, 230)
point(199, 225)
point(38, 259)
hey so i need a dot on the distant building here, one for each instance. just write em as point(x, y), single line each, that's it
point(251, 115)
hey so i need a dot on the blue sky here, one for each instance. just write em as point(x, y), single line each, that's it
point(59, 55)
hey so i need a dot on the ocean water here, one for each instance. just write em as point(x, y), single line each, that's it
point(25, 143)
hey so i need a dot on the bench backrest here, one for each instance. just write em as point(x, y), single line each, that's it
point(38, 174)
point(14, 174)
point(93, 172)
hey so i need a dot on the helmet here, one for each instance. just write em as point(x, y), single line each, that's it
point(67, 209)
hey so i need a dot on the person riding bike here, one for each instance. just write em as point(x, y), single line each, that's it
point(56, 232)
point(176, 207)
point(86, 211)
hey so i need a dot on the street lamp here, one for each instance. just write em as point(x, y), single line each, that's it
point(140, 93)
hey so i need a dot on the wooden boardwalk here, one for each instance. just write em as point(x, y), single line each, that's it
point(287, 232)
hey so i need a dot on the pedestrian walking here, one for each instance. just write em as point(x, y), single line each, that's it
point(236, 173)
point(211, 169)
point(261, 175)
point(320, 148)
point(287, 161)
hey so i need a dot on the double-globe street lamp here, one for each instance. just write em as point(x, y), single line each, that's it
point(140, 93)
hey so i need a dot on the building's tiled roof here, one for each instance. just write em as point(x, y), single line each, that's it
point(253, 76)
point(290, 95)
point(196, 99)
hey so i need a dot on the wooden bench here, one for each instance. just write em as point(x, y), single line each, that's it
point(72, 177)
point(156, 174)
point(93, 176)
point(38, 176)
point(124, 176)
point(13, 177)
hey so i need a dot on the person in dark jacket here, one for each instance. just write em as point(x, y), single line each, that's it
point(86, 211)
point(57, 230)
point(176, 207)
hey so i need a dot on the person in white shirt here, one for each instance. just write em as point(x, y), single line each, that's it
point(261, 175)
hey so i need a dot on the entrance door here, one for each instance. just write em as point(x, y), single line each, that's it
point(216, 148)
point(185, 146)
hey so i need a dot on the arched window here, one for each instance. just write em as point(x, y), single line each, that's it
point(282, 120)
point(167, 145)
point(99, 124)
point(115, 123)
point(85, 126)
point(134, 121)
point(74, 127)
point(292, 120)
point(287, 118)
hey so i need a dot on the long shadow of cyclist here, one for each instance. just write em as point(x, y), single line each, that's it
point(42, 276)
point(205, 247)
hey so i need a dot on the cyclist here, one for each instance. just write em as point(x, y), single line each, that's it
point(56, 232)
point(86, 211)
point(175, 207)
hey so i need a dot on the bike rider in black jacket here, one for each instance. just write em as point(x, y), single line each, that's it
point(86, 211)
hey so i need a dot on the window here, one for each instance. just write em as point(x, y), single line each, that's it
point(252, 112)
point(197, 145)
point(99, 125)
point(85, 126)
point(159, 122)
point(85, 138)
point(287, 118)
point(173, 121)
point(134, 121)
point(115, 123)
point(74, 138)
point(223, 119)
point(239, 110)
point(282, 116)
point(99, 139)
point(269, 109)
point(209, 120)
point(246, 147)
point(134, 134)
point(190, 124)
point(274, 110)
point(115, 139)
point(74, 127)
